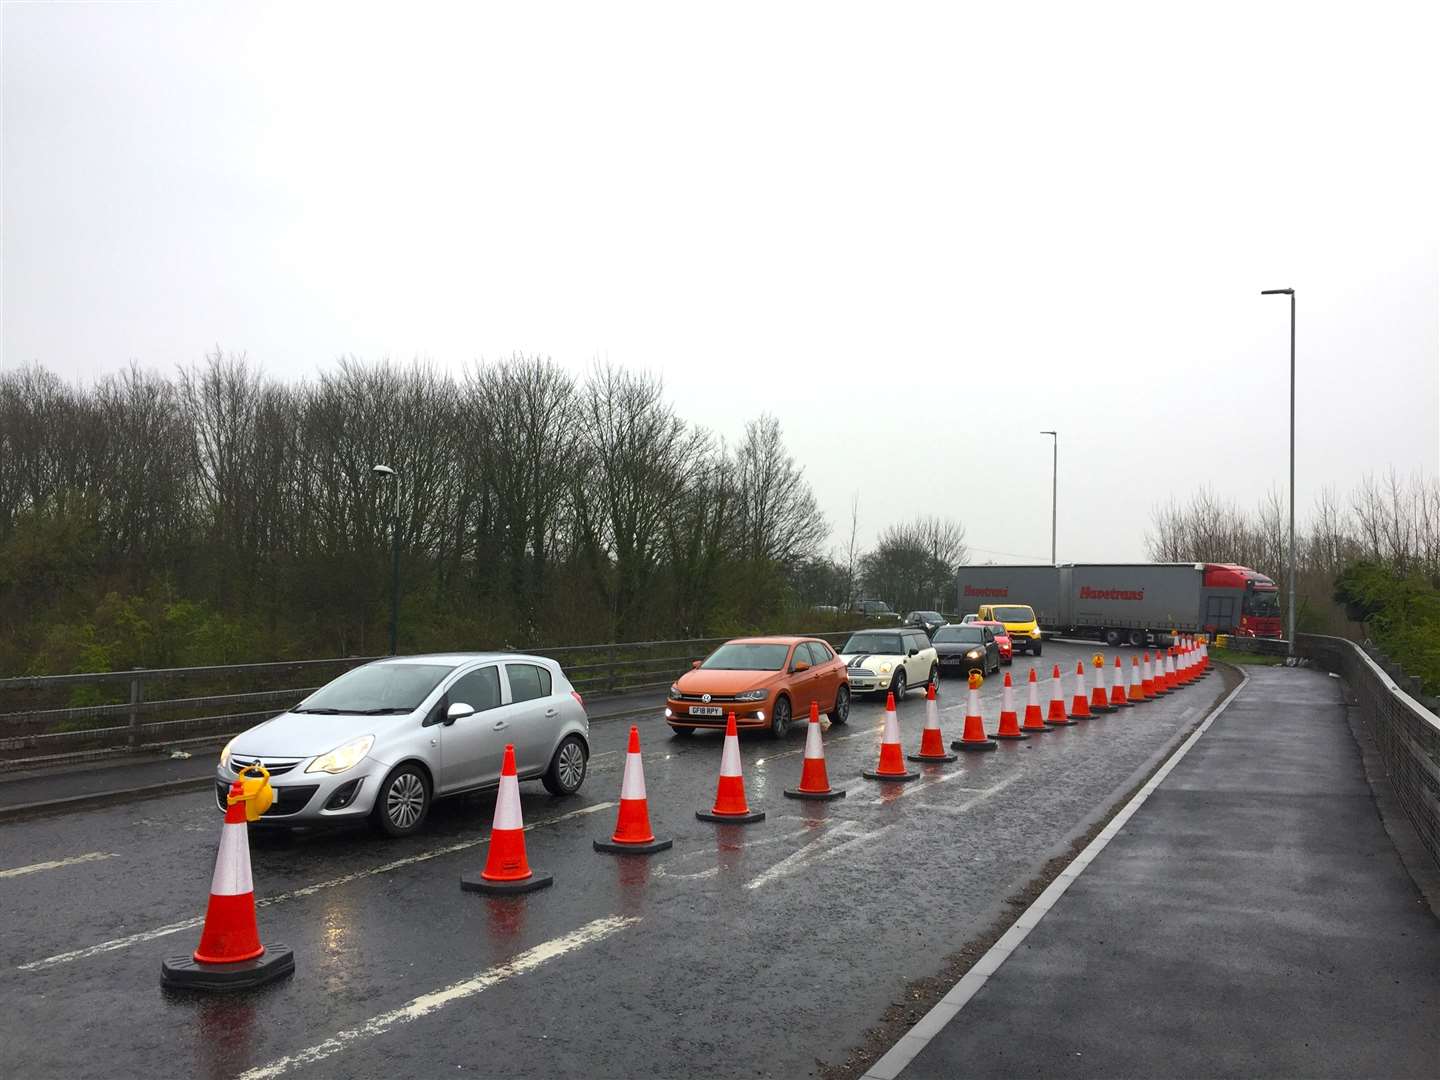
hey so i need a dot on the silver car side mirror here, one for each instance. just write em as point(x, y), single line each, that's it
point(458, 711)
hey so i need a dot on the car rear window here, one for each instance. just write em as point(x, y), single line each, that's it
point(527, 682)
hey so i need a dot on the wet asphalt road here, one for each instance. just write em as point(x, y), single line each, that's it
point(755, 950)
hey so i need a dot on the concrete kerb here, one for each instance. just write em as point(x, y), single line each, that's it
point(895, 1060)
point(174, 787)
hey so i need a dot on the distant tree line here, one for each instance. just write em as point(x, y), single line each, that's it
point(221, 515)
point(1387, 521)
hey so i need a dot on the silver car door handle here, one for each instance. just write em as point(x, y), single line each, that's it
point(500, 725)
point(550, 712)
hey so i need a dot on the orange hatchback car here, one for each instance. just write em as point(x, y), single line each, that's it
point(764, 681)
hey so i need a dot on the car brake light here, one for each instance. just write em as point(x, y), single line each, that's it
point(578, 699)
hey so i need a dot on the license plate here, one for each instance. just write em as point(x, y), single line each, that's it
point(706, 710)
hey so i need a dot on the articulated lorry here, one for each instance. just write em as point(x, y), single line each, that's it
point(1139, 603)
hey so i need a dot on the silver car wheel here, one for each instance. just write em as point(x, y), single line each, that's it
point(405, 800)
point(571, 765)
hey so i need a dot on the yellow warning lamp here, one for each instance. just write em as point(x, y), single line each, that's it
point(1099, 660)
point(976, 679)
point(255, 791)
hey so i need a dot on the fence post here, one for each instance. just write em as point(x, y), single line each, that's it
point(136, 696)
point(610, 685)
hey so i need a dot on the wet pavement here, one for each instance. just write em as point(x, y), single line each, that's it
point(759, 950)
point(1252, 918)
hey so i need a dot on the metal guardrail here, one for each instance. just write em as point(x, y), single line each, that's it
point(1406, 733)
point(1258, 646)
point(35, 733)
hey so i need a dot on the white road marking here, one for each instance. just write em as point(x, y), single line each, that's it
point(425, 1004)
point(814, 852)
point(294, 894)
point(56, 864)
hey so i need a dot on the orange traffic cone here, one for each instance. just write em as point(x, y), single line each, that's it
point(230, 956)
point(1137, 691)
point(814, 782)
point(973, 737)
point(507, 871)
point(1057, 717)
point(730, 806)
point(1117, 688)
point(932, 743)
point(892, 764)
point(1172, 682)
point(632, 834)
point(1204, 658)
point(1080, 703)
point(1147, 679)
point(1034, 722)
point(1099, 696)
point(1154, 676)
point(1009, 721)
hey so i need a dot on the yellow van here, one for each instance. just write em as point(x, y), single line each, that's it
point(1020, 624)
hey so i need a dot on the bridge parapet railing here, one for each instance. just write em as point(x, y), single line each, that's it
point(54, 720)
point(1406, 733)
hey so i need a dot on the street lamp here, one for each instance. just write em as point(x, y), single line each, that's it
point(1290, 621)
point(1054, 490)
point(384, 471)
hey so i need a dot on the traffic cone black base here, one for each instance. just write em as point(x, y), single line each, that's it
point(974, 747)
point(814, 796)
point(899, 778)
point(1067, 722)
point(1013, 737)
point(633, 849)
point(186, 973)
point(732, 819)
point(935, 759)
point(476, 883)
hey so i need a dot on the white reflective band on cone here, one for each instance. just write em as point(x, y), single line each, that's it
point(974, 703)
point(232, 863)
point(507, 805)
point(932, 714)
point(1007, 699)
point(813, 748)
point(892, 728)
point(632, 785)
point(1100, 678)
point(1033, 696)
point(1080, 681)
point(1057, 690)
point(730, 756)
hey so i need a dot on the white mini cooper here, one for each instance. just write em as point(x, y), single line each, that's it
point(895, 660)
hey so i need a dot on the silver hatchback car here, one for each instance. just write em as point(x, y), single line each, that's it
point(384, 740)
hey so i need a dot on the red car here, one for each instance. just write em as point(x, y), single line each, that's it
point(1002, 638)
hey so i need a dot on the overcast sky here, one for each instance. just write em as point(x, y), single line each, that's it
point(916, 234)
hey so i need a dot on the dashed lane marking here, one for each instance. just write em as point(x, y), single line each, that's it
point(56, 864)
point(294, 894)
point(426, 1004)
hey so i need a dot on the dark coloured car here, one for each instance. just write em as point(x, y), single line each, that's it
point(1002, 639)
point(966, 648)
point(929, 621)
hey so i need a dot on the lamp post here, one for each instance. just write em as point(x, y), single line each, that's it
point(1054, 490)
point(384, 471)
point(1290, 620)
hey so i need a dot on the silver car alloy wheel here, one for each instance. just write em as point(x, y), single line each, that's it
point(571, 765)
point(405, 800)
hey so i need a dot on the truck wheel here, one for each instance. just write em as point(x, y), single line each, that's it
point(1137, 638)
point(1112, 638)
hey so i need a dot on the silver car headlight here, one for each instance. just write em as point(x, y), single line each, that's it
point(225, 754)
point(753, 695)
point(674, 691)
point(884, 669)
point(343, 757)
point(973, 654)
